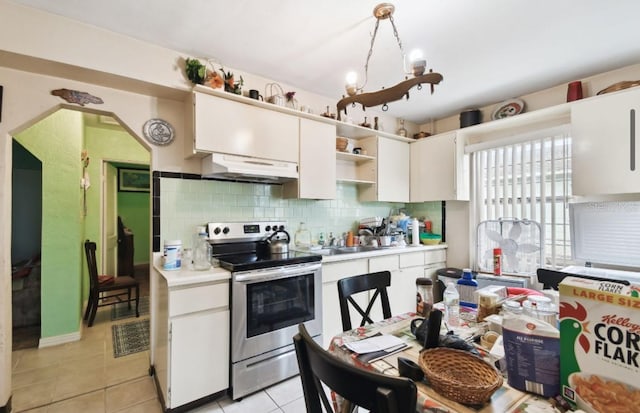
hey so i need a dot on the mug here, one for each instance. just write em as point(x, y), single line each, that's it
point(254, 94)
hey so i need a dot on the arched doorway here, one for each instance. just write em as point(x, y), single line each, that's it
point(73, 146)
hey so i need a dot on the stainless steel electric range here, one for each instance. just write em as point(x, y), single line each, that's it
point(270, 295)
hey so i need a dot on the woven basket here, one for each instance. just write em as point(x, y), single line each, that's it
point(459, 375)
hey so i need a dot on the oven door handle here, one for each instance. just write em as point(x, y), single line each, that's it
point(282, 272)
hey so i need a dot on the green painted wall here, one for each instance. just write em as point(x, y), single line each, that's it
point(57, 142)
point(113, 144)
point(133, 207)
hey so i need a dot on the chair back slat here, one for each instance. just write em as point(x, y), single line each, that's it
point(92, 265)
point(373, 391)
point(347, 287)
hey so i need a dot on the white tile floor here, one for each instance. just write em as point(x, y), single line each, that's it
point(85, 377)
point(282, 397)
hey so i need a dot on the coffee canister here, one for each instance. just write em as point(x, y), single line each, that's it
point(424, 296)
point(470, 117)
point(172, 257)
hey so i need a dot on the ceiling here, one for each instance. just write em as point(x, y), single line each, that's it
point(487, 50)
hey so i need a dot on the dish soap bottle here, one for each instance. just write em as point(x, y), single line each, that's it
point(302, 237)
point(467, 287)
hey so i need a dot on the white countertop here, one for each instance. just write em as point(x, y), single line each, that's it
point(184, 276)
point(381, 251)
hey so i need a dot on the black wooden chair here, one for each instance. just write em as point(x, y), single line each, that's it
point(105, 284)
point(373, 391)
point(378, 281)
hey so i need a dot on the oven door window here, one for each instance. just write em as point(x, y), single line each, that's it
point(276, 304)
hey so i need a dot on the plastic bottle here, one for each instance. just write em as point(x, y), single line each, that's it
point(451, 300)
point(467, 286)
point(302, 237)
point(415, 232)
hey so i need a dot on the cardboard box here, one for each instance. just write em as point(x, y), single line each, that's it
point(600, 345)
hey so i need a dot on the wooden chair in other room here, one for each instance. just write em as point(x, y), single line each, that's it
point(378, 281)
point(99, 284)
point(373, 391)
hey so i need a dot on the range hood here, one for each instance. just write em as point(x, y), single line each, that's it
point(247, 169)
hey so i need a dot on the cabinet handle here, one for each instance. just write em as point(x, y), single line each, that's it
point(632, 139)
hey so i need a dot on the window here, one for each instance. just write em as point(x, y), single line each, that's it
point(528, 178)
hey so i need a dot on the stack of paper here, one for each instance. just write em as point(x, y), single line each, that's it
point(376, 347)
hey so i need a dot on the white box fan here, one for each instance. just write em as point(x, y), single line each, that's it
point(520, 241)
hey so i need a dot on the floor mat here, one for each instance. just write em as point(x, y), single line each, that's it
point(130, 338)
point(122, 310)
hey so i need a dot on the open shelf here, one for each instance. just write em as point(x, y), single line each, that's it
point(346, 156)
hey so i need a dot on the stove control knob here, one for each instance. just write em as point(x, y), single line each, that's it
point(225, 230)
point(216, 231)
point(267, 228)
point(281, 227)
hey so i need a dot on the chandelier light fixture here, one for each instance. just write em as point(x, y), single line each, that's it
point(356, 94)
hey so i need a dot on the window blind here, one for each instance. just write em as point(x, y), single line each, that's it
point(528, 180)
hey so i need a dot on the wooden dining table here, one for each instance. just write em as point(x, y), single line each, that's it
point(505, 400)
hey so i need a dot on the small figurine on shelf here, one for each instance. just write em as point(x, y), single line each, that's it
point(365, 124)
point(328, 114)
point(401, 131)
point(375, 123)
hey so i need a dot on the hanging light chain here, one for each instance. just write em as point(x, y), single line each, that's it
point(395, 33)
point(366, 66)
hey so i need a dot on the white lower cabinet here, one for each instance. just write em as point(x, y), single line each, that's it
point(191, 335)
point(197, 369)
point(404, 268)
point(331, 273)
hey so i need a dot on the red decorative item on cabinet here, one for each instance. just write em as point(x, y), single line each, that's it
point(574, 91)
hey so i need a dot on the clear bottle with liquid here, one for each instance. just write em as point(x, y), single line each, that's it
point(302, 237)
point(401, 130)
point(451, 300)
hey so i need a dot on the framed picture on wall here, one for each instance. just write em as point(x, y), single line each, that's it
point(133, 180)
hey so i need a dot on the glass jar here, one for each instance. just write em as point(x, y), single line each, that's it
point(487, 304)
point(202, 253)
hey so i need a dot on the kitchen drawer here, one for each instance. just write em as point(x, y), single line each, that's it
point(385, 263)
point(412, 259)
point(200, 298)
point(431, 257)
point(335, 271)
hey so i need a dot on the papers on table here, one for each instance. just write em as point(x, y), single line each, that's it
point(376, 347)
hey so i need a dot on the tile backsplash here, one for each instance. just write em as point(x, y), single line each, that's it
point(187, 203)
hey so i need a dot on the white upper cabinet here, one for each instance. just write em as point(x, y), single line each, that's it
point(391, 170)
point(317, 164)
point(439, 169)
point(232, 127)
point(604, 139)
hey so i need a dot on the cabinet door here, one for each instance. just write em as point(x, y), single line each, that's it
point(236, 128)
point(199, 363)
point(317, 164)
point(331, 273)
point(439, 169)
point(393, 170)
point(402, 293)
point(604, 150)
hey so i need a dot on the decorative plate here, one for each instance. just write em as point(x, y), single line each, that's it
point(508, 108)
point(158, 131)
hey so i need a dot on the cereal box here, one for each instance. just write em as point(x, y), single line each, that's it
point(600, 345)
